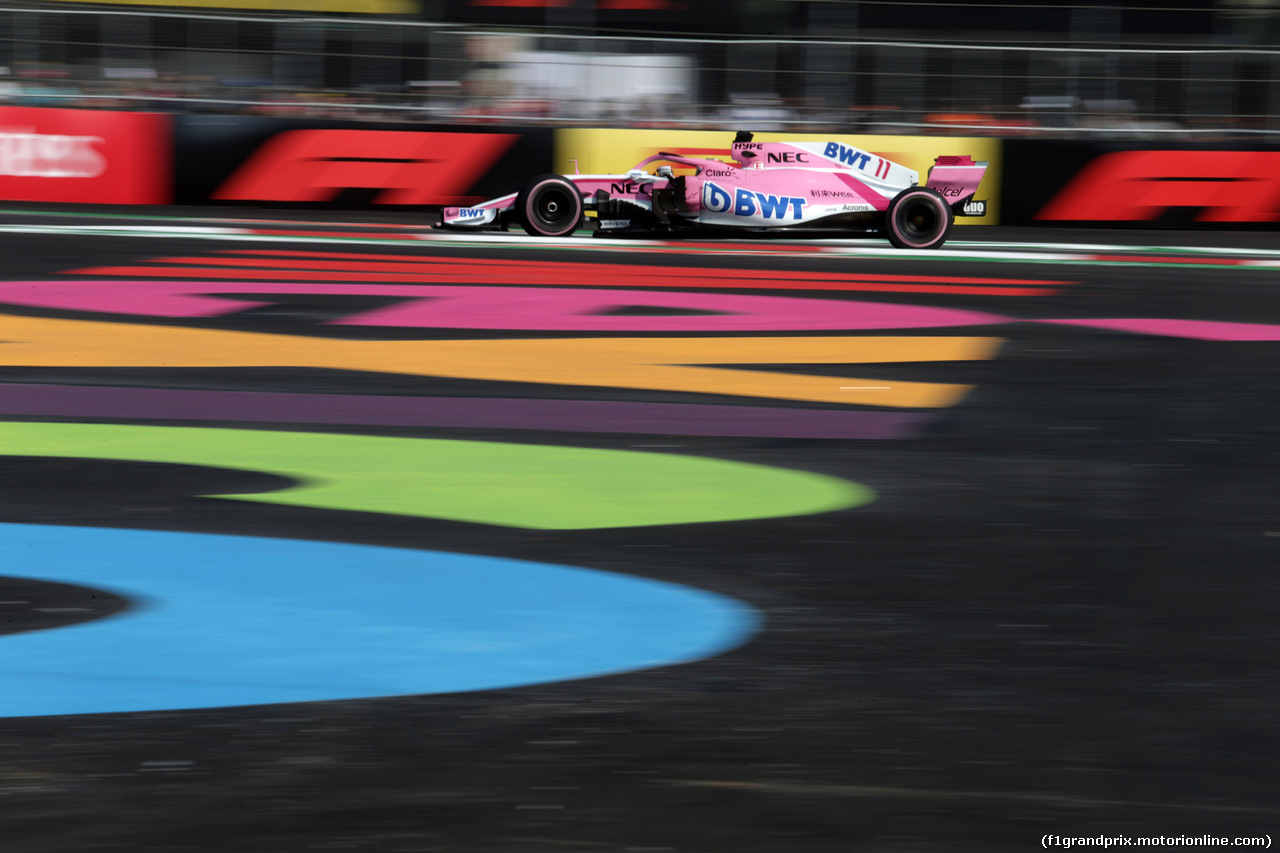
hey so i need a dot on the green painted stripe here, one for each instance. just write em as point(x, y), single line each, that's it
point(511, 485)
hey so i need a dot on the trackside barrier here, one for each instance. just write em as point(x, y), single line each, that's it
point(350, 164)
point(1063, 182)
point(110, 157)
point(85, 156)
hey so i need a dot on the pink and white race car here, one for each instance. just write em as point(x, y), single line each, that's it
point(767, 186)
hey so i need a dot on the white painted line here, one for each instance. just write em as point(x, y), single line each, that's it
point(174, 230)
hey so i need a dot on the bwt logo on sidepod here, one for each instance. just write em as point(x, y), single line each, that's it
point(716, 199)
point(771, 206)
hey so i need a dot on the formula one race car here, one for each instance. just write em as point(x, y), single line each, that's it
point(768, 186)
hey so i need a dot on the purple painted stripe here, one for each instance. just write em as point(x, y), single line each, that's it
point(1205, 330)
point(557, 415)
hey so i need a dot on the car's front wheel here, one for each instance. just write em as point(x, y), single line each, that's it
point(549, 206)
point(918, 218)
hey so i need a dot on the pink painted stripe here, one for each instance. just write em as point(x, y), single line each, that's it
point(528, 308)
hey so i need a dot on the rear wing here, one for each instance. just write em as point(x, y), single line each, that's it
point(957, 179)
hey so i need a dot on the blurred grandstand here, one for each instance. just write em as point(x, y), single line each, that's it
point(1129, 69)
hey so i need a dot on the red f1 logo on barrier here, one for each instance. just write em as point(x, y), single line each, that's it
point(410, 167)
point(1229, 186)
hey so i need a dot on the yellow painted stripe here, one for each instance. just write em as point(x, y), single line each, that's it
point(666, 364)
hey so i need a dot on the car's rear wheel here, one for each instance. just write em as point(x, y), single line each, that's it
point(919, 218)
point(549, 206)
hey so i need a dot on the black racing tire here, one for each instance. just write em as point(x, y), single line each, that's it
point(918, 218)
point(549, 206)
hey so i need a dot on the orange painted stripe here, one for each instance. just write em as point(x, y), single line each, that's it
point(691, 365)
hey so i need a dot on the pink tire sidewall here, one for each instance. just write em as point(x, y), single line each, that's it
point(900, 238)
point(530, 217)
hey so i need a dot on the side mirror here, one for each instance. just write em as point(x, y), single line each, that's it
point(665, 172)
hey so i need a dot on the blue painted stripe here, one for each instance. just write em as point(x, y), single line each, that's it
point(226, 620)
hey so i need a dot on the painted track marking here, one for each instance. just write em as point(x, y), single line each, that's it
point(231, 620)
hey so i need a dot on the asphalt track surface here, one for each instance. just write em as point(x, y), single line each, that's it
point(1056, 617)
